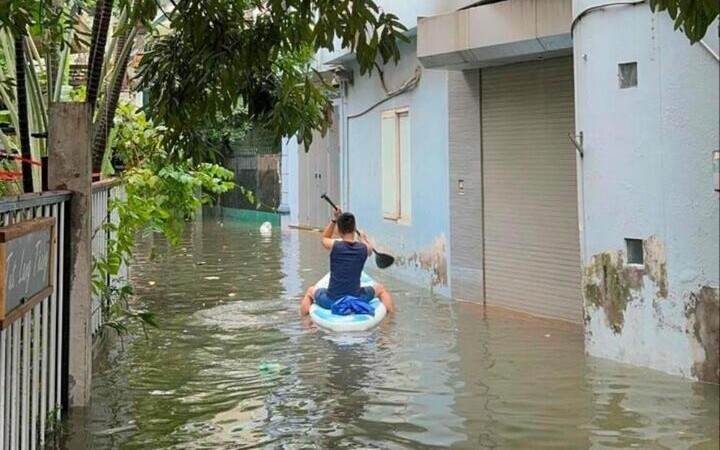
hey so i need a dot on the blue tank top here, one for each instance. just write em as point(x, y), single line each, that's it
point(347, 260)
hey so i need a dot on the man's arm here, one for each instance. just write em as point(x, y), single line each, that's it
point(365, 240)
point(327, 235)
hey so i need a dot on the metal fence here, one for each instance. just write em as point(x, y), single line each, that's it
point(33, 345)
point(103, 193)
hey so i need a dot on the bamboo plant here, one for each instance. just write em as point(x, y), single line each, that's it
point(30, 83)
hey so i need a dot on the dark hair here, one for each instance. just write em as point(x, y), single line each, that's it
point(346, 223)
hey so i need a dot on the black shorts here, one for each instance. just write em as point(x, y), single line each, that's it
point(323, 300)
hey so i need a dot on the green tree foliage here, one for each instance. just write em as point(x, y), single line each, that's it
point(693, 16)
point(222, 134)
point(160, 195)
point(222, 54)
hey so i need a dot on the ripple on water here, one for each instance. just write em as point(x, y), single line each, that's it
point(248, 314)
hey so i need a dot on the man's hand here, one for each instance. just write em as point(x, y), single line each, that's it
point(327, 235)
point(365, 240)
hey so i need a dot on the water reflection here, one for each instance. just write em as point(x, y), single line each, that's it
point(523, 380)
point(233, 366)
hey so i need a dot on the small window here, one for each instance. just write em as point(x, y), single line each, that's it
point(396, 165)
point(627, 72)
point(634, 251)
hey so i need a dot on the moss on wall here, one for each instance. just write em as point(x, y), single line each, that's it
point(703, 313)
point(610, 284)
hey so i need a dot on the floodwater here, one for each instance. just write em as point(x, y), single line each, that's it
point(232, 366)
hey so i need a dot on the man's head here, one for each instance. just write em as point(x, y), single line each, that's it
point(346, 223)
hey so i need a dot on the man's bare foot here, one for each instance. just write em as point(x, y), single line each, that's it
point(384, 297)
point(307, 302)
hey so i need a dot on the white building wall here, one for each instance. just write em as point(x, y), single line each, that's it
point(421, 247)
point(647, 174)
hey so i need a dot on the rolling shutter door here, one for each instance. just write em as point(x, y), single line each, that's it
point(532, 255)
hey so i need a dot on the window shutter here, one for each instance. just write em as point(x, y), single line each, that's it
point(404, 212)
point(390, 181)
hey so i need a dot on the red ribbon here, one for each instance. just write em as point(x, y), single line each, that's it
point(6, 175)
point(32, 162)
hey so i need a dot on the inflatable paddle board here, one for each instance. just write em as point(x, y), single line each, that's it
point(324, 318)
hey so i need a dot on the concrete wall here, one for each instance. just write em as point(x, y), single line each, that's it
point(258, 173)
point(256, 164)
point(422, 247)
point(465, 163)
point(647, 174)
point(496, 33)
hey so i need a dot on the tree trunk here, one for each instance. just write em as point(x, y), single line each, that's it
point(103, 14)
point(106, 117)
point(22, 110)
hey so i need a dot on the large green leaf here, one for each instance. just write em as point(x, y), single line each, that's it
point(694, 17)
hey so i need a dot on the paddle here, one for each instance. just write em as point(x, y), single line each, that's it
point(382, 260)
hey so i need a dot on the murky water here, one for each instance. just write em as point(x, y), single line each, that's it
point(233, 366)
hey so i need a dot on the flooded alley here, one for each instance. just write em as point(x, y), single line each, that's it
point(233, 366)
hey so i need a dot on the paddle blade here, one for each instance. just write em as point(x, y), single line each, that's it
point(383, 261)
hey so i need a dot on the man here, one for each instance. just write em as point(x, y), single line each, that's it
point(347, 260)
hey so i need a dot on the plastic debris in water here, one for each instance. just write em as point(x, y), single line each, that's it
point(151, 283)
point(272, 368)
point(111, 431)
point(212, 277)
point(266, 229)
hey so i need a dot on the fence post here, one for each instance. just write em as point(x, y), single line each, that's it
point(70, 168)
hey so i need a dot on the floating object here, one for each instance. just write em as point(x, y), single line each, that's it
point(116, 430)
point(272, 367)
point(266, 229)
point(324, 318)
point(151, 283)
point(212, 277)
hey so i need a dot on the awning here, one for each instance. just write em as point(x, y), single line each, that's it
point(497, 33)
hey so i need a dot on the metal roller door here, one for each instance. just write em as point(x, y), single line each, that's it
point(532, 254)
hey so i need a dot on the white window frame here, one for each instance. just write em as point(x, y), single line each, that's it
point(402, 213)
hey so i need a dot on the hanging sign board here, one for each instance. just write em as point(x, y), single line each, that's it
point(26, 267)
